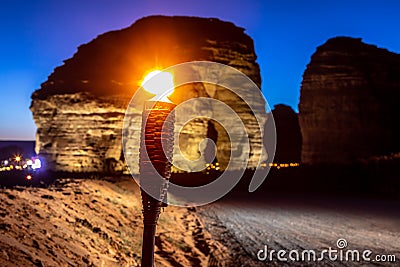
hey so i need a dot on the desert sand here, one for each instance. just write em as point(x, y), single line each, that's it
point(94, 223)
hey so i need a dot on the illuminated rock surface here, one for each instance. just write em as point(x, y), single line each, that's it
point(79, 110)
point(349, 102)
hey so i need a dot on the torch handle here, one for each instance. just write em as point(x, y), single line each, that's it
point(149, 232)
point(156, 149)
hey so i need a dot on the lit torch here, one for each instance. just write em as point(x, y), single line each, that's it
point(156, 147)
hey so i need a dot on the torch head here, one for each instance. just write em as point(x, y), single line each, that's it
point(159, 83)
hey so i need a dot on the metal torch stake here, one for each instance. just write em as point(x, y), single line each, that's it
point(156, 149)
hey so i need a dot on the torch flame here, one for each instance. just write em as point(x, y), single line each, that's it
point(159, 83)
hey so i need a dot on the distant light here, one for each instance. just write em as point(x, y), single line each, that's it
point(29, 177)
point(37, 164)
point(6, 162)
point(29, 162)
point(17, 158)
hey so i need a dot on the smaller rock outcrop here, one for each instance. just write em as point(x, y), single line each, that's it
point(288, 141)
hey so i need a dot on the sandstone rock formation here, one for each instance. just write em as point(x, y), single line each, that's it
point(349, 102)
point(79, 110)
point(288, 142)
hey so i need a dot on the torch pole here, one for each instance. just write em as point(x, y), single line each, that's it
point(156, 149)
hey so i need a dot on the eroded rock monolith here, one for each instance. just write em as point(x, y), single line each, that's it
point(349, 102)
point(79, 110)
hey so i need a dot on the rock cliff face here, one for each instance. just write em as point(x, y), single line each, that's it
point(349, 102)
point(79, 132)
point(79, 110)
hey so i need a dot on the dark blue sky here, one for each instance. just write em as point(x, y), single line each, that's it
point(36, 36)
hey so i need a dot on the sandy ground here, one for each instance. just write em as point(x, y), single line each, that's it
point(246, 224)
point(94, 223)
point(99, 223)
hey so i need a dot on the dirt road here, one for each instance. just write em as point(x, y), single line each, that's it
point(246, 225)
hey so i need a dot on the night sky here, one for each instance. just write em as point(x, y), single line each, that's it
point(36, 36)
